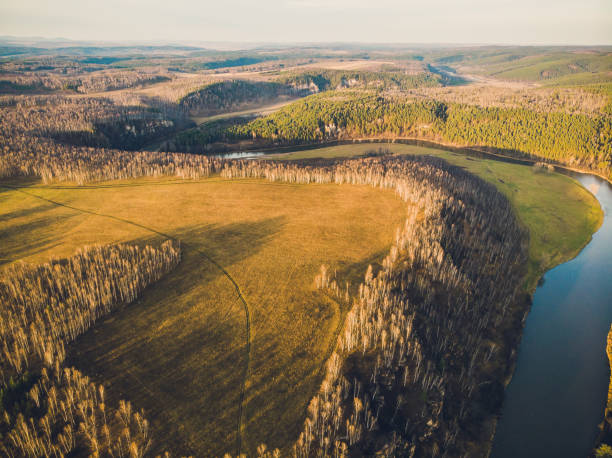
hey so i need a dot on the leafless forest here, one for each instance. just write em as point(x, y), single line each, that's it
point(44, 308)
point(419, 365)
point(414, 367)
point(35, 134)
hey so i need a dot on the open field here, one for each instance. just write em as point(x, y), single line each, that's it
point(179, 352)
point(560, 214)
point(229, 349)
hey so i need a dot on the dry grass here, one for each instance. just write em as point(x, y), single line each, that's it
point(179, 351)
point(559, 213)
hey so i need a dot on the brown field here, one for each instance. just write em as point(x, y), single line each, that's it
point(179, 351)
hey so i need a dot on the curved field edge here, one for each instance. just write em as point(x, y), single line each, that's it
point(240, 237)
point(45, 307)
point(207, 258)
point(402, 332)
point(559, 213)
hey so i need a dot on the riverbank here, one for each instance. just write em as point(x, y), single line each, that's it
point(428, 142)
point(604, 441)
point(554, 399)
point(560, 214)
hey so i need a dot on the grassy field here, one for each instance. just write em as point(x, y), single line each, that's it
point(179, 352)
point(553, 66)
point(560, 214)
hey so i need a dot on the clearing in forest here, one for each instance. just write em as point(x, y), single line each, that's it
point(179, 351)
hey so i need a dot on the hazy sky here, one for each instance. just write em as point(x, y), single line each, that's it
point(398, 21)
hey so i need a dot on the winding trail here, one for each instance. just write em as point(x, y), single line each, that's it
point(240, 424)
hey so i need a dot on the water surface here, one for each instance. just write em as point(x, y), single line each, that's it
point(558, 392)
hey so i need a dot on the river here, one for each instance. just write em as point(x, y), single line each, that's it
point(558, 392)
point(559, 388)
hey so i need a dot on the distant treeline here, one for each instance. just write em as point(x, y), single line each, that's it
point(236, 62)
point(323, 80)
point(82, 83)
point(32, 129)
point(227, 95)
point(571, 139)
point(49, 410)
point(68, 123)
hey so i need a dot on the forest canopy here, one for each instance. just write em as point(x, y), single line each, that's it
point(571, 139)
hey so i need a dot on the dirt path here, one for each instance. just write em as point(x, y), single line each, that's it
point(240, 424)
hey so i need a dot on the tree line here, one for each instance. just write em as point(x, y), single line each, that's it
point(228, 95)
point(83, 83)
point(324, 80)
point(90, 121)
point(30, 143)
point(571, 139)
point(413, 369)
point(48, 409)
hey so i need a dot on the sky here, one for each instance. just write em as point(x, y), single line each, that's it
point(577, 22)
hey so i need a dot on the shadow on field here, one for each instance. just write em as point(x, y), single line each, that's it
point(178, 351)
point(23, 212)
point(28, 238)
point(277, 395)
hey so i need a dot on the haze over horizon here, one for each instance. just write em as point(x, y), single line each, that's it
point(518, 22)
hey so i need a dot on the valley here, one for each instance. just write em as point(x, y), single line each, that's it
point(360, 275)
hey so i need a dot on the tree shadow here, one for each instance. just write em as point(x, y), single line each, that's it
point(32, 237)
point(179, 350)
point(23, 212)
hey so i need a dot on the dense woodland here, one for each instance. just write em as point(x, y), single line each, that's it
point(49, 409)
point(99, 81)
point(323, 80)
point(94, 122)
point(571, 139)
point(31, 131)
point(416, 370)
point(230, 95)
point(586, 100)
point(419, 365)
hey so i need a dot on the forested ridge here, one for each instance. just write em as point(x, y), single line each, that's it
point(49, 409)
point(571, 139)
point(32, 130)
point(83, 83)
point(228, 95)
point(323, 80)
point(88, 121)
